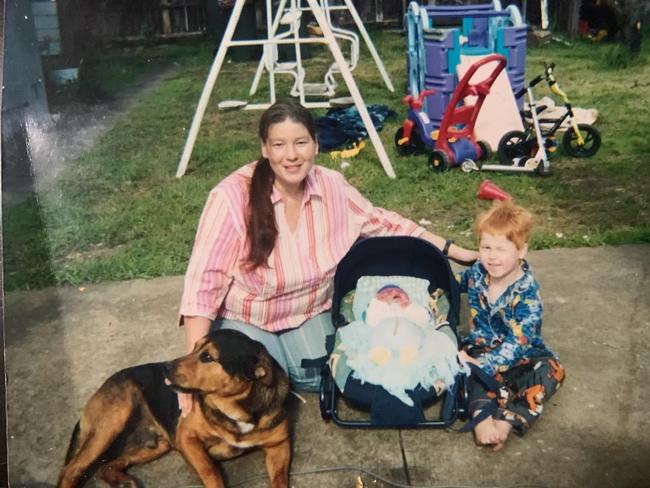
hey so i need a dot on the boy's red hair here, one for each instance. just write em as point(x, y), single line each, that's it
point(504, 218)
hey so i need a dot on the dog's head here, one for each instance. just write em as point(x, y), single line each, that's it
point(227, 363)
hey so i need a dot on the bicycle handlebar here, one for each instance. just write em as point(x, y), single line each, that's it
point(555, 88)
point(552, 82)
point(550, 79)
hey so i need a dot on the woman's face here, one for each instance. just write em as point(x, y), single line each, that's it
point(291, 151)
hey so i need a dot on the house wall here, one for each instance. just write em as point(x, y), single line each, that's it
point(24, 103)
point(46, 22)
point(23, 89)
point(97, 23)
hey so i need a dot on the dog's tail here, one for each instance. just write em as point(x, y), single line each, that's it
point(74, 443)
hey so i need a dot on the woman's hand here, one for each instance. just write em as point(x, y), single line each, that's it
point(185, 402)
point(454, 251)
point(195, 329)
point(462, 255)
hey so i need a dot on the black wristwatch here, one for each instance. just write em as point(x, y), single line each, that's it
point(445, 250)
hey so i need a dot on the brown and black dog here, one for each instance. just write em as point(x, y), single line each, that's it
point(239, 395)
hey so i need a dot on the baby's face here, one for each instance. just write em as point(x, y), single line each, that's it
point(393, 294)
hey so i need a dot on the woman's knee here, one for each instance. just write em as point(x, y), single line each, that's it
point(305, 379)
point(268, 339)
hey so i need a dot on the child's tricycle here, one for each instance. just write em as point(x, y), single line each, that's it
point(454, 141)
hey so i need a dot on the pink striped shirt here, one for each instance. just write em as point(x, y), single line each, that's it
point(297, 284)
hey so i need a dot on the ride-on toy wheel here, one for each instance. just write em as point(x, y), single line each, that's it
point(486, 151)
point(468, 166)
point(591, 137)
point(513, 145)
point(438, 160)
point(413, 146)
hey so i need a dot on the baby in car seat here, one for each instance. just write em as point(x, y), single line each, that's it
point(394, 341)
point(398, 326)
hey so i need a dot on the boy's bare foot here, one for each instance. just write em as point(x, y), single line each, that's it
point(486, 433)
point(503, 428)
point(492, 433)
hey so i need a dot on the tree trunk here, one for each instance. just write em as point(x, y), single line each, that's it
point(633, 13)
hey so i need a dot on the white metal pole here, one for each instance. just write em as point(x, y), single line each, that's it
point(297, 53)
point(268, 48)
point(370, 45)
point(352, 86)
point(267, 53)
point(543, 6)
point(207, 88)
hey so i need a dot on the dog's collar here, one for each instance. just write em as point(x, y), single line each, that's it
point(216, 415)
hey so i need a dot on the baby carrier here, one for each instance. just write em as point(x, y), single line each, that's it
point(351, 383)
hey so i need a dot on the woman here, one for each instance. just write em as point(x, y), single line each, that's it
point(268, 243)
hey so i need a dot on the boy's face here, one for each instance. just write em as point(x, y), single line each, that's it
point(500, 256)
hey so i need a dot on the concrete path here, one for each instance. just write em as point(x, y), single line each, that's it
point(62, 343)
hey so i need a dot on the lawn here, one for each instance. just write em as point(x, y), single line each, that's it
point(118, 212)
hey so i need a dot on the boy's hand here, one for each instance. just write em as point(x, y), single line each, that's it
point(466, 358)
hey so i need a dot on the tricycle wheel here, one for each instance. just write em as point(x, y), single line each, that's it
point(486, 151)
point(513, 145)
point(412, 146)
point(591, 138)
point(438, 160)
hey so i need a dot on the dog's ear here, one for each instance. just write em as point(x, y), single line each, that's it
point(256, 368)
point(260, 372)
point(264, 371)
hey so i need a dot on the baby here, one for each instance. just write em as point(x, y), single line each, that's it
point(398, 326)
point(394, 341)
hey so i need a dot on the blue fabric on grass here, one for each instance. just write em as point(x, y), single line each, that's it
point(342, 126)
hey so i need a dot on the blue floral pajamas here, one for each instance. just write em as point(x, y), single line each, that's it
point(524, 390)
point(505, 337)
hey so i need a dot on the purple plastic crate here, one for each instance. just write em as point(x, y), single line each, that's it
point(517, 82)
point(442, 11)
point(479, 33)
point(511, 42)
point(436, 104)
point(436, 55)
point(514, 41)
point(440, 71)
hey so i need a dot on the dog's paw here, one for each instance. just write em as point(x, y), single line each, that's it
point(128, 484)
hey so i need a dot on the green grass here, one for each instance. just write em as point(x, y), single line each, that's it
point(118, 212)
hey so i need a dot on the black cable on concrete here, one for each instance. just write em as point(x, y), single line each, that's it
point(377, 477)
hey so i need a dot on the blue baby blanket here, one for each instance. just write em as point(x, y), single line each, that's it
point(397, 350)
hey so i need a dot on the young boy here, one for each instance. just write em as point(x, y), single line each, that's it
point(505, 331)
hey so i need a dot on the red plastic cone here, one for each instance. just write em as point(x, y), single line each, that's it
point(490, 191)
